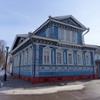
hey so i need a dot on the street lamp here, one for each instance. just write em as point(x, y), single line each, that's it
point(5, 75)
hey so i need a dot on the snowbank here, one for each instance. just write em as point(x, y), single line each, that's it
point(2, 73)
point(6, 90)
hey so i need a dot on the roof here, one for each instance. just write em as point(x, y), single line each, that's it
point(18, 36)
point(69, 16)
point(56, 19)
point(54, 40)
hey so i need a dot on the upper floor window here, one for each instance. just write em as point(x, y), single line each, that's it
point(67, 32)
point(61, 34)
point(50, 32)
point(67, 35)
point(46, 55)
point(59, 56)
point(79, 58)
point(70, 57)
point(74, 37)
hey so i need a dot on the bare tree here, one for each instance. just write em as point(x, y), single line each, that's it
point(2, 52)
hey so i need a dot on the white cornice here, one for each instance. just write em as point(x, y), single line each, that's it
point(83, 29)
point(54, 40)
point(69, 16)
point(19, 45)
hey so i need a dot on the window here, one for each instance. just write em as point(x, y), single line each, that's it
point(64, 57)
point(67, 32)
point(61, 33)
point(87, 56)
point(79, 58)
point(50, 32)
point(67, 35)
point(70, 57)
point(59, 56)
point(46, 55)
point(74, 37)
point(53, 56)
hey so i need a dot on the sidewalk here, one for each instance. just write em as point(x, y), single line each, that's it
point(19, 83)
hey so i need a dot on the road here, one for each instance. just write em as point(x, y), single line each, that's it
point(91, 91)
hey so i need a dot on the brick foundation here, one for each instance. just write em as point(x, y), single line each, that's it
point(54, 79)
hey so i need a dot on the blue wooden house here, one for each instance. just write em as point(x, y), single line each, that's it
point(54, 52)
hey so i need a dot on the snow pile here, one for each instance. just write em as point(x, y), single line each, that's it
point(1, 84)
point(41, 90)
point(2, 73)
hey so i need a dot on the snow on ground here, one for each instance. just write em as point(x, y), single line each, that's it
point(2, 73)
point(46, 90)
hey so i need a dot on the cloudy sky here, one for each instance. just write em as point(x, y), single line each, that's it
point(23, 16)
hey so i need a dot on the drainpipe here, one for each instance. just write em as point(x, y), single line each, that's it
point(87, 30)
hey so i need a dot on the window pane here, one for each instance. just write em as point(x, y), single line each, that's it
point(59, 58)
point(73, 37)
point(53, 56)
point(68, 35)
point(64, 57)
point(79, 59)
point(70, 58)
point(46, 55)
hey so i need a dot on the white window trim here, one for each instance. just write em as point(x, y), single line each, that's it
point(80, 53)
point(49, 50)
point(64, 33)
point(61, 51)
point(87, 54)
point(73, 32)
point(70, 52)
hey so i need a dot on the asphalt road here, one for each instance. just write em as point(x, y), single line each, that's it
point(90, 92)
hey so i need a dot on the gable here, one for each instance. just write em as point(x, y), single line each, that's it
point(18, 40)
point(70, 20)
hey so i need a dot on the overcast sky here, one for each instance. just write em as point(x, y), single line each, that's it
point(23, 16)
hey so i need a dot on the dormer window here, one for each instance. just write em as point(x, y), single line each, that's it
point(67, 21)
point(67, 35)
point(50, 32)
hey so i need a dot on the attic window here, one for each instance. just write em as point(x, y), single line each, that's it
point(67, 21)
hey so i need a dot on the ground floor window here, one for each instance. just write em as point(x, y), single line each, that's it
point(59, 56)
point(70, 57)
point(79, 58)
point(87, 57)
point(46, 55)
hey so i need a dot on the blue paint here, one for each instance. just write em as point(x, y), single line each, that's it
point(40, 54)
point(56, 32)
point(45, 74)
point(53, 50)
point(42, 32)
point(79, 37)
point(91, 57)
point(75, 57)
point(99, 71)
point(65, 51)
point(71, 22)
point(83, 56)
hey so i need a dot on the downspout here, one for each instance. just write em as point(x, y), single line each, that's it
point(87, 30)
